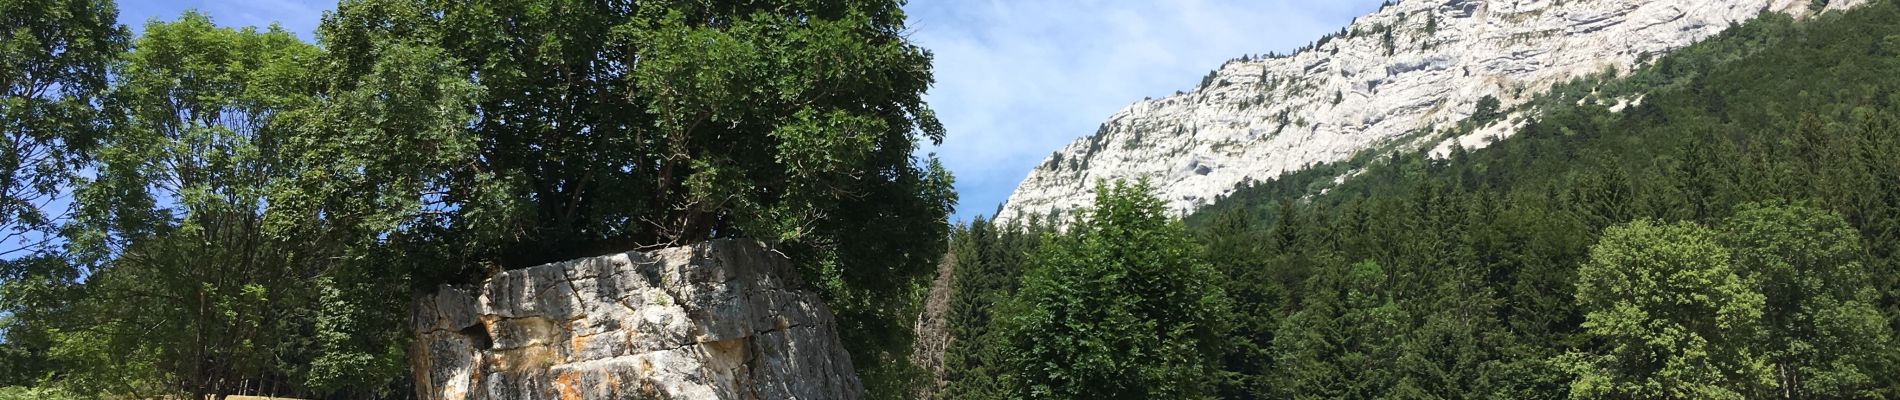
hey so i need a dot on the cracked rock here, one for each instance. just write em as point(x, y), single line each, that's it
point(718, 320)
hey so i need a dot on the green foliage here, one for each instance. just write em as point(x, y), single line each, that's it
point(1482, 250)
point(53, 61)
point(356, 352)
point(35, 393)
point(34, 293)
point(987, 261)
point(1121, 306)
point(1487, 111)
point(260, 206)
point(1345, 332)
point(787, 122)
point(1817, 334)
point(1676, 318)
point(1824, 337)
point(184, 286)
point(790, 122)
point(1235, 248)
point(1387, 41)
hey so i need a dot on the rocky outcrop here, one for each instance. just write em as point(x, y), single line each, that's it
point(717, 320)
point(1391, 78)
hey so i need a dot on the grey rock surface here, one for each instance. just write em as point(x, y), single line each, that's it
point(717, 320)
point(1413, 67)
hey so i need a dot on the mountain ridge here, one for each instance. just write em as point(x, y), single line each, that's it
point(1404, 75)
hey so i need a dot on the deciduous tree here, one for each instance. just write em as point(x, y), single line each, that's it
point(1121, 306)
point(1672, 316)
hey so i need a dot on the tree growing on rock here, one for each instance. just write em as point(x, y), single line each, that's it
point(595, 127)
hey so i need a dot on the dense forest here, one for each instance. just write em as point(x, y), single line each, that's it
point(202, 210)
point(1732, 231)
point(210, 210)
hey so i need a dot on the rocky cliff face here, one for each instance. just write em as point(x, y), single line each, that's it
point(1391, 78)
point(718, 320)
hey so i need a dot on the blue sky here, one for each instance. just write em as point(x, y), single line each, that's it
point(1016, 79)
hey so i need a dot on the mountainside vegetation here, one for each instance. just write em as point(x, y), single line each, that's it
point(1732, 230)
point(207, 210)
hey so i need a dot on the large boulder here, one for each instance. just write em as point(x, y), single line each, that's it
point(717, 320)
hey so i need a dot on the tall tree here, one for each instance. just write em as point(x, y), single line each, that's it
point(1345, 338)
point(1672, 316)
point(1824, 337)
point(54, 56)
point(789, 122)
point(1120, 307)
point(593, 127)
point(185, 273)
point(989, 260)
point(184, 280)
point(53, 60)
point(1234, 248)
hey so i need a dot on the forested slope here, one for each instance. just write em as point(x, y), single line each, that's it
point(1729, 231)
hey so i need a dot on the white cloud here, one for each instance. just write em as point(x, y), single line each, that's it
point(1017, 80)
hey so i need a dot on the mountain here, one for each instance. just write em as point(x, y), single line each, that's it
point(1405, 76)
point(1734, 234)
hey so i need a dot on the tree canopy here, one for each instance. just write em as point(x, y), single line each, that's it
point(627, 125)
point(1121, 306)
point(1675, 316)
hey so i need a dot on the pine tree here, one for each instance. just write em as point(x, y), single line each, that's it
point(1234, 247)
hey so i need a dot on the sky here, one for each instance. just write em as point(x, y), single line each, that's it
point(1016, 79)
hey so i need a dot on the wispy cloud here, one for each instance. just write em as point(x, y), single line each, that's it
point(1017, 80)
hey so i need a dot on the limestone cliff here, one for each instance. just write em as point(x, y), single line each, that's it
point(1390, 78)
point(717, 320)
